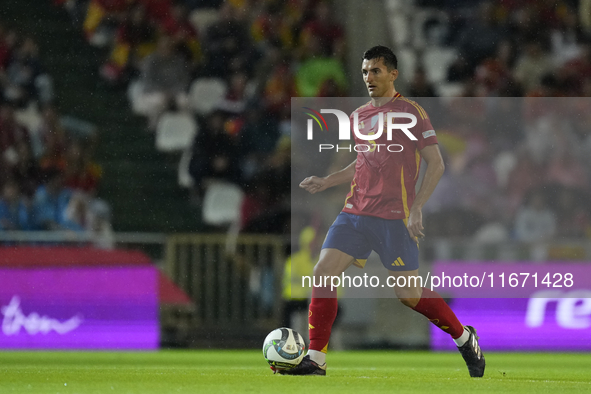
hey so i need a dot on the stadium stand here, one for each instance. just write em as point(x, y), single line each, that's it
point(482, 49)
point(229, 51)
point(136, 177)
point(275, 50)
point(48, 176)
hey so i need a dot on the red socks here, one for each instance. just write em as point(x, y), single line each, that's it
point(432, 306)
point(323, 311)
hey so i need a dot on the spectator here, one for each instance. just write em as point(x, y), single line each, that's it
point(51, 138)
point(294, 294)
point(157, 10)
point(585, 15)
point(494, 74)
point(214, 153)
point(82, 130)
point(459, 70)
point(81, 174)
point(272, 29)
point(54, 154)
point(28, 157)
point(481, 196)
point(227, 45)
point(136, 38)
point(15, 212)
point(527, 174)
point(236, 98)
point(266, 208)
point(258, 138)
point(548, 87)
point(325, 30)
point(564, 169)
point(26, 172)
point(76, 211)
point(5, 48)
point(449, 191)
point(51, 201)
point(25, 78)
point(479, 38)
point(420, 86)
point(165, 79)
point(525, 22)
point(11, 135)
point(318, 70)
point(533, 64)
point(578, 68)
point(99, 224)
point(572, 212)
point(101, 20)
point(279, 88)
point(535, 222)
point(504, 124)
point(91, 216)
point(566, 38)
point(184, 37)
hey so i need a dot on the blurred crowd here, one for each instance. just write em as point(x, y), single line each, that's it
point(48, 179)
point(530, 48)
point(255, 54)
point(234, 65)
point(517, 168)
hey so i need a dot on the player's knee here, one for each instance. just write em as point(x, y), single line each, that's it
point(410, 302)
point(321, 269)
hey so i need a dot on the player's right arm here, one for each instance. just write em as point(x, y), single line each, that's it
point(314, 184)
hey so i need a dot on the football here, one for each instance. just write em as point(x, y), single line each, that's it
point(283, 348)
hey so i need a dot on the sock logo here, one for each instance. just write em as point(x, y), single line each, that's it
point(436, 322)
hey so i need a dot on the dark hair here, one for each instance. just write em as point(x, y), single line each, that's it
point(383, 52)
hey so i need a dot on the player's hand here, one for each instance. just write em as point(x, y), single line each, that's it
point(314, 184)
point(415, 223)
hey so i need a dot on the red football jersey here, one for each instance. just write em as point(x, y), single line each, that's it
point(387, 170)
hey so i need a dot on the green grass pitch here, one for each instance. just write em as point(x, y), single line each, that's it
point(225, 371)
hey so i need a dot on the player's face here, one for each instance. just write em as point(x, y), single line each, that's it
point(378, 80)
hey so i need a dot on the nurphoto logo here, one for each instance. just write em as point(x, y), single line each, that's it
point(371, 136)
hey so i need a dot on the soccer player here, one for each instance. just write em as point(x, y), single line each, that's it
point(382, 213)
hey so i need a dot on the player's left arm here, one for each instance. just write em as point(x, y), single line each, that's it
point(435, 168)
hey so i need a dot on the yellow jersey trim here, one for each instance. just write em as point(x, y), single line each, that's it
point(420, 109)
point(418, 158)
point(404, 195)
point(353, 184)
